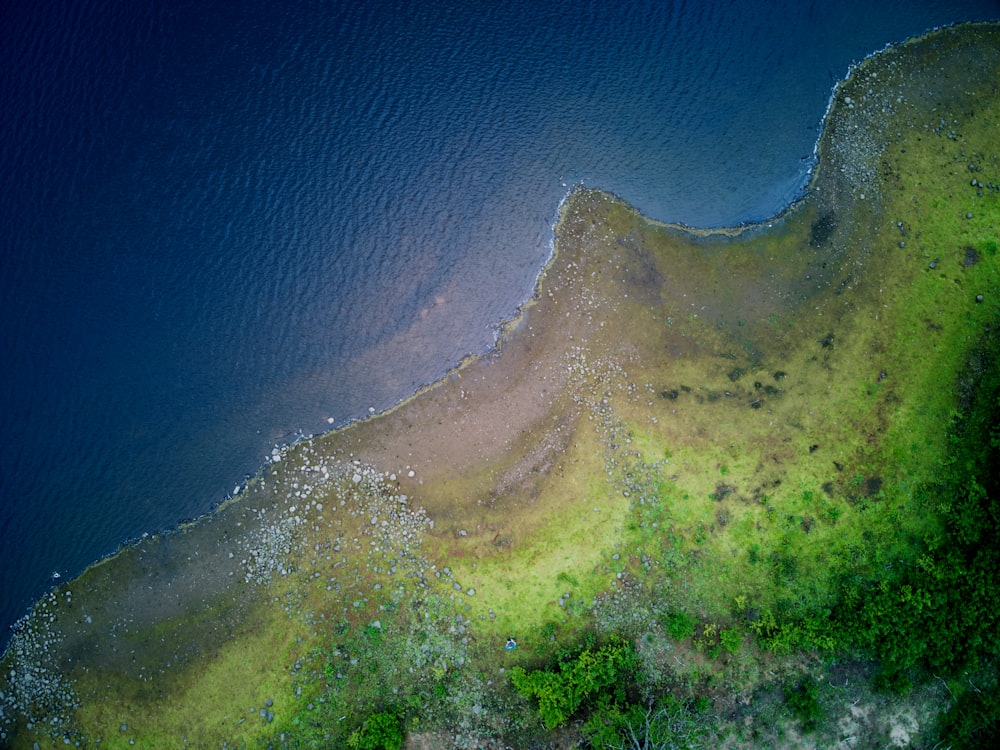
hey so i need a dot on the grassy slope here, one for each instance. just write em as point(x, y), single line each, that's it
point(716, 426)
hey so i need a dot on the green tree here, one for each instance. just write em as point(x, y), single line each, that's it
point(804, 704)
point(561, 693)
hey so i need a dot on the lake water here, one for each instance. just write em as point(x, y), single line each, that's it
point(226, 224)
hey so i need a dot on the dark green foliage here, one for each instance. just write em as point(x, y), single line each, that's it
point(974, 721)
point(605, 723)
point(802, 700)
point(680, 625)
point(669, 726)
point(892, 680)
point(562, 692)
point(373, 634)
point(380, 731)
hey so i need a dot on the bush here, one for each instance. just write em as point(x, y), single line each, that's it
point(381, 731)
point(804, 703)
point(680, 625)
point(670, 726)
point(731, 640)
point(561, 693)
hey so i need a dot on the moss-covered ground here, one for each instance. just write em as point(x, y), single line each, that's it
point(701, 445)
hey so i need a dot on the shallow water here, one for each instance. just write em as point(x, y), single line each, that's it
point(223, 226)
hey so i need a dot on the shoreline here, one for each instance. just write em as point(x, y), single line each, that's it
point(518, 457)
point(505, 326)
point(502, 327)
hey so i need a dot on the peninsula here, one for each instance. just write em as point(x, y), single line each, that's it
point(731, 487)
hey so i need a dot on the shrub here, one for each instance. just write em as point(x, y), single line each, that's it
point(732, 640)
point(680, 625)
point(561, 693)
point(380, 731)
point(669, 726)
point(804, 704)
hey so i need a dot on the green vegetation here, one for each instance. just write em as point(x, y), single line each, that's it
point(732, 489)
point(941, 612)
point(974, 720)
point(670, 726)
point(801, 699)
point(380, 731)
point(680, 625)
point(561, 692)
point(606, 684)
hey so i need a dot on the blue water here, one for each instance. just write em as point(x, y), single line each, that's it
point(223, 224)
